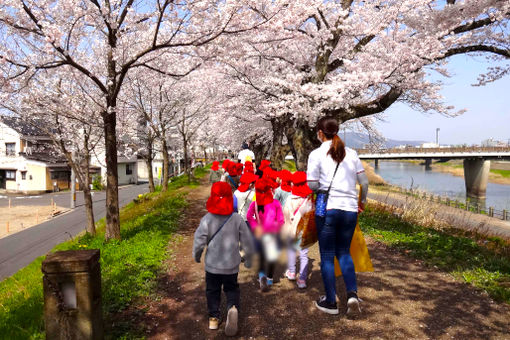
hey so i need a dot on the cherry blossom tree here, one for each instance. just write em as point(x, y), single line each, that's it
point(102, 41)
point(354, 59)
point(151, 98)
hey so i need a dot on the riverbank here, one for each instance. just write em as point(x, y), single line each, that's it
point(373, 178)
point(499, 173)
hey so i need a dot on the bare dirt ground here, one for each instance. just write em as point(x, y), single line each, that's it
point(402, 299)
point(22, 217)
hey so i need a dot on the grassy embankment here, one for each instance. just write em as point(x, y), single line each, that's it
point(474, 258)
point(129, 268)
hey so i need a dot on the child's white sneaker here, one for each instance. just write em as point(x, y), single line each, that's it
point(301, 284)
point(231, 324)
point(290, 275)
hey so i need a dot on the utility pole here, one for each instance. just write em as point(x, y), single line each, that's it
point(437, 136)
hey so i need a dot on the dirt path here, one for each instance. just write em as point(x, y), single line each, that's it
point(403, 299)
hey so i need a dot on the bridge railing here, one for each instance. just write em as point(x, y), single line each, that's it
point(472, 149)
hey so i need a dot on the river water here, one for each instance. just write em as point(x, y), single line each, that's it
point(439, 183)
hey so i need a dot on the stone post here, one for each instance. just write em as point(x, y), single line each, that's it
point(72, 295)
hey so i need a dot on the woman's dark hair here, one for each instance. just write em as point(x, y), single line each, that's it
point(329, 126)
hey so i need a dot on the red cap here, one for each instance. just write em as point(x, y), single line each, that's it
point(239, 169)
point(232, 169)
point(221, 201)
point(264, 164)
point(215, 166)
point(225, 164)
point(286, 177)
point(248, 167)
point(300, 186)
point(263, 192)
point(270, 175)
point(246, 179)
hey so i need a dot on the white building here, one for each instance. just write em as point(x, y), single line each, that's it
point(28, 161)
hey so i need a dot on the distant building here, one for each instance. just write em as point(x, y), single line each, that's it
point(429, 145)
point(491, 143)
point(127, 168)
point(29, 163)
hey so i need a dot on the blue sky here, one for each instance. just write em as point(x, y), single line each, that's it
point(487, 116)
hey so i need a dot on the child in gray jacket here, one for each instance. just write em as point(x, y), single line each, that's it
point(224, 233)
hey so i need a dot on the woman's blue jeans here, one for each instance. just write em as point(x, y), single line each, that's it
point(335, 232)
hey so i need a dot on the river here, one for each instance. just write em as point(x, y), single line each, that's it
point(439, 183)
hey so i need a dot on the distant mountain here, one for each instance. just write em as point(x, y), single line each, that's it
point(357, 140)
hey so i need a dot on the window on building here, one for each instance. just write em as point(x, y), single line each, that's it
point(10, 149)
point(10, 174)
point(62, 175)
point(129, 169)
point(23, 175)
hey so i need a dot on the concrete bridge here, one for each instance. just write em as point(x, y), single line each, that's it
point(476, 161)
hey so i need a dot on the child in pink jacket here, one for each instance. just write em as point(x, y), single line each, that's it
point(265, 217)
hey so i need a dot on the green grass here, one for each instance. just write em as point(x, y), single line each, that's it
point(129, 268)
point(452, 165)
point(483, 262)
point(504, 173)
point(290, 165)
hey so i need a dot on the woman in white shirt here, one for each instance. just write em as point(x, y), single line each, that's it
point(334, 166)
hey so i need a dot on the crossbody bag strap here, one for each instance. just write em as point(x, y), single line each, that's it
point(217, 231)
point(331, 184)
point(232, 181)
point(246, 200)
point(295, 211)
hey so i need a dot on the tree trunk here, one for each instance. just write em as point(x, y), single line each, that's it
point(148, 163)
point(205, 155)
point(89, 210)
point(112, 179)
point(302, 140)
point(87, 196)
point(260, 148)
point(186, 159)
point(166, 161)
point(279, 150)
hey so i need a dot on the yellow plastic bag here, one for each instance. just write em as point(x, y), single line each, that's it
point(359, 252)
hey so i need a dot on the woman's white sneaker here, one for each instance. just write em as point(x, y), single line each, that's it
point(353, 306)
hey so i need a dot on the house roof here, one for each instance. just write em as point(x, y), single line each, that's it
point(22, 127)
point(46, 157)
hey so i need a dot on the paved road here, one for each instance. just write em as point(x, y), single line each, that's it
point(62, 199)
point(20, 249)
point(455, 217)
